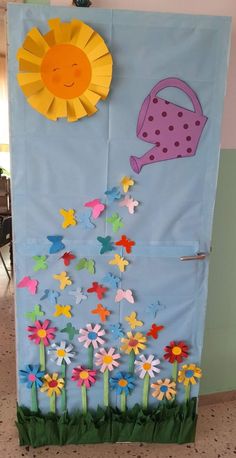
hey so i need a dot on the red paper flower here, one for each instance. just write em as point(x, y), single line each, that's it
point(176, 351)
point(83, 376)
point(41, 332)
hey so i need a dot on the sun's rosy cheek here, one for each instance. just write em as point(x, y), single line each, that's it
point(56, 79)
point(77, 73)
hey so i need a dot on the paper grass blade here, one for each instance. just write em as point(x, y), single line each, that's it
point(65, 72)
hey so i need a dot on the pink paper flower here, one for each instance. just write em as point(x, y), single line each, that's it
point(83, 376)
point(41, 332)
point(92, 336)
point(107, 360)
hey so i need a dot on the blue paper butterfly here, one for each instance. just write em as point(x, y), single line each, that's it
point(113, 194)
point(111, 280)
point(84, 220)
point(51, 295)
point(116, 330)
point(107, 244)
point(57, 244)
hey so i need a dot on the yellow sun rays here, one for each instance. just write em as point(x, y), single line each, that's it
point(65, 72)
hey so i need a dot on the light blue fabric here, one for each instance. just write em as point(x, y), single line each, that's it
point(63, 164)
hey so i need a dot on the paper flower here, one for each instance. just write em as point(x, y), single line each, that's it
point(52, 384)
point(147, 366)
point(176, 351)
point(61, 353)
point(83, 376)
point(66, 71)
point(189, 374)
point(132, 320)
point(122, 382)
point(69, 218)
point(130, 203)
point(40, 332)
point(133, 343)
point(107, 360)
point(164, 388)
point(63, 279)
point(92, 336)
point(125, 243)
point(120, 262)
point(32, 375)
point(126, 183)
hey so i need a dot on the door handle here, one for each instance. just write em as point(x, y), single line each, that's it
point(195, 257)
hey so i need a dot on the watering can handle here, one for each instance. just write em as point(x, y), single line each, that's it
point(179, 84)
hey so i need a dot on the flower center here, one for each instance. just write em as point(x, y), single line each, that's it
point(61, 353)
point(31, 377)
point(52, 384)
point(133, 342)
point(92, 335)
point(84, 375)
point(147, 366)
point(164, 389)
point(42, 333)
point(176, 351)
point(107, 359)
point(122, 382)
point(189, 373)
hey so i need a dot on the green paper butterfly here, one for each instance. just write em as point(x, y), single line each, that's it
point(88, 264)
point(116, 222)
point(70, 330)
point(40, 263)
point(36, 313)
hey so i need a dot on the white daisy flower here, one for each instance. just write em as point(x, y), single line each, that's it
point(60, 353)
point(147, 366)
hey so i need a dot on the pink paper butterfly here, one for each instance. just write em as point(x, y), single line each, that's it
point(97, 207)
point(130, 203)
point(31, 285)
point(121, 294)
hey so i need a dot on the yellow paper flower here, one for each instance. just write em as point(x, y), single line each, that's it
point(52, 384)
point(134, 342)
point(189, 373)
point(126, 182)
point(65, 72)
point(164, 388)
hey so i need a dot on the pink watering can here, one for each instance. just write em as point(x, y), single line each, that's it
point(175, 131)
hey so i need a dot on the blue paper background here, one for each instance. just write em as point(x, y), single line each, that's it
point(62, 165)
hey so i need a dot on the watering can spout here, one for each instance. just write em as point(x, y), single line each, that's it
point(136, 164)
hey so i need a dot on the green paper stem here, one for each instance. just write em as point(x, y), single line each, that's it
point(123, 401)
point(146, 386)
point(63, 391)
point(84, 399)
point(53, 403)
point(106, 387)
point(187, 392)
point(175, 371)
point(131, 361)
point(34, 401)
point(42, 356)
point(90, 356)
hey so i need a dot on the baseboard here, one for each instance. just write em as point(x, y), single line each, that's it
point(216, 398)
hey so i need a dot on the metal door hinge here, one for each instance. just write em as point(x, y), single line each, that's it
point(195, 257)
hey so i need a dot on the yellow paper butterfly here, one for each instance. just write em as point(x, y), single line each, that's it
point(133, 322)
point(126, 182)
point(62, 310)
point(69, 218)
point(120, 262)
point(64, 279)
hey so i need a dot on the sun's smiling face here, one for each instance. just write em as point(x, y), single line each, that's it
point(66, 71)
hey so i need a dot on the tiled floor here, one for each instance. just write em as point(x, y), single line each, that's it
point(216, 434)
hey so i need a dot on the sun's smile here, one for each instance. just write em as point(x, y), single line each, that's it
point(65, 72)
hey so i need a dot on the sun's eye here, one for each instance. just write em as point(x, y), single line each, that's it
point(74, 65)
point(55, 69)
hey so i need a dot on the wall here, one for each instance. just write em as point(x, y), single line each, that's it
point(220, 331)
